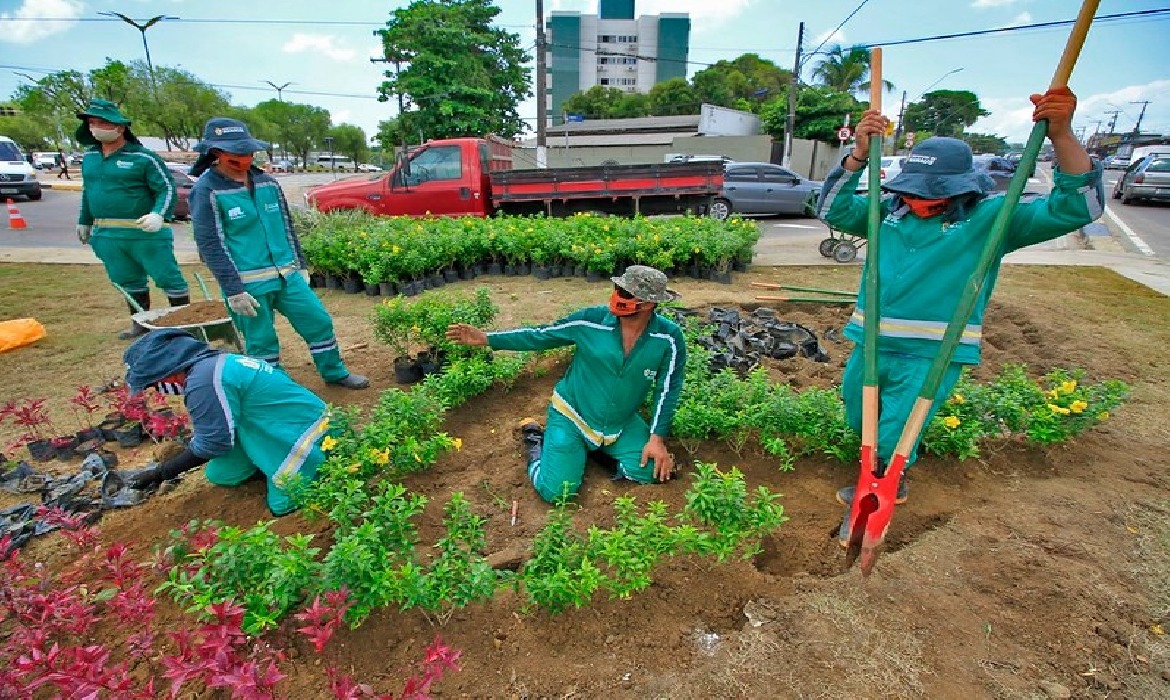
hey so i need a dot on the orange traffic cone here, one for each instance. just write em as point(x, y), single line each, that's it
point(15, 220)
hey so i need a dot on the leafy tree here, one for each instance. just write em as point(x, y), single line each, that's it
point(674, 96)
point(462, 76)
point(350, 140)
point(25, 129)
point(820, 111)
point(986, 143)
point(390, 134)
point(944, 112)
point(846, 70)
point(597, 102)
point(745, 82)
point(300, 127)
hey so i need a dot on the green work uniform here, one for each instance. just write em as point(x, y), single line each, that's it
point(595, 405)
point(118, 189)
point(245, 236)
point(924, 266)
point(249, 418)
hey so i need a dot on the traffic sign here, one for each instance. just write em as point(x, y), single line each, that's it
point(844, 133)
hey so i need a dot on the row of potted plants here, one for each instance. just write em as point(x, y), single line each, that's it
point(359, 252)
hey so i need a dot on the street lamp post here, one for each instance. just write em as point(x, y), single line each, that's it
point(279, 89)
point(142, 27)
point(332, 163)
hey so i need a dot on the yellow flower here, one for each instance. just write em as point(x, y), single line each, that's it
point(396, 250)
point(958, 398)
point(381, 457)
point(458, 443)
point(1055, 393)
point(328, 443)
point(353, 468)
point(1059, 409)
point(1078, 406)
point(697, 249)
point(1103, 415)
point(417, 458)
point(1068, 387)
point(951, 422)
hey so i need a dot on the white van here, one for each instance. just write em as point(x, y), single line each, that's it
point(17, 177)
point(336, 162)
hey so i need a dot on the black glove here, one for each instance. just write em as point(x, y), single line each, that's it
point(185, 461)
point(148, 476)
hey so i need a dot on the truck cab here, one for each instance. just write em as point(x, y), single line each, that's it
point(448, 177)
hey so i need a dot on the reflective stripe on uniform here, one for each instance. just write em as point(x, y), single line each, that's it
point(116, 223)
point(924, 330)
point(265, 274)
point(301, 448)
point(591, 436)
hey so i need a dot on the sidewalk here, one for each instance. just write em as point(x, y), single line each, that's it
point(50, 181)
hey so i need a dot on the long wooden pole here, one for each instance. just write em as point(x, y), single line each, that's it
point(870, 401)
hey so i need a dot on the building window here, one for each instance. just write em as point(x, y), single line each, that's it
point(617, 39)
point(604, 81)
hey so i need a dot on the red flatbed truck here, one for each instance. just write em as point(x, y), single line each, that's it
point(474, 177)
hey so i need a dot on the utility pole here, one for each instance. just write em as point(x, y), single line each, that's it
point(1137, 128)
point(898, 126)
point(1113, 121)
point(790, 125)
point(541, 90)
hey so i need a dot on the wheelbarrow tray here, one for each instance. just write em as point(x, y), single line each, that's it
point(207, 331)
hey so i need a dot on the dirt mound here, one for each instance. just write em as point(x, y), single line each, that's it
point(194, 314)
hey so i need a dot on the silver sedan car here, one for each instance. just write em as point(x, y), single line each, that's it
point(764, 188)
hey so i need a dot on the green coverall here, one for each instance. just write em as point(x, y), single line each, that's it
point(118, 189)
point(245, 236)
point(595, 405)
point(924, 267)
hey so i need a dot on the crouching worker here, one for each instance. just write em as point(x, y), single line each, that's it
point(623, 351)
point(247, 416)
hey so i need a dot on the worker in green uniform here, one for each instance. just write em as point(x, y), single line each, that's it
point(623, 351)
point(245, 236)
point(127, 197)
point(247, 417)
point(937, 214)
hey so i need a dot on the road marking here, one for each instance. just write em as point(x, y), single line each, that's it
point(794, 226)
point(1129, 233)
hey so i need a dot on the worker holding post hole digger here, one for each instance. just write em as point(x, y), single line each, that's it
point(248, 418)
point(245, 236)
point(936, 216)
point(127, 197)
point(623, 352)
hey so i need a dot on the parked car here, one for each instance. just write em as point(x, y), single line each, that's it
point(17, 177)
point(891, 166)
point(1119, 163)
point(183, 185)
point(1147, 179)
point(763, 188)
point(1000, 169)
point(368, 168)
point(45, 161)
point(283, 165)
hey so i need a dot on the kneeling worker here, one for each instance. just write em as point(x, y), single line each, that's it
point(622, 352)
point(247, 416)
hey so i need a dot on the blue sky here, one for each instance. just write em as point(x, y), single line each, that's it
point(328, 64)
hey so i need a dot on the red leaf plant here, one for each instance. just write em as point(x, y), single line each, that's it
point(438, 660)
point(321, 619)
point(86, 399)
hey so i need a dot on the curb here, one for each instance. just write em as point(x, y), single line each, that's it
point(63, 186)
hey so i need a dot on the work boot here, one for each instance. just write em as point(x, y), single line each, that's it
point(532, 435)
point(180, 301)
point(135, 329)
point(352, 381)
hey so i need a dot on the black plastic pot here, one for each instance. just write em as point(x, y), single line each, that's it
point(372, 290)
point(522, 269)
point(554, 270)
point(467, 273)
point(720, 277)
point(494, 269)
point(407, 370)
point(592, 276)
point(333, 281)
point(387, 289)
point(541, 272)
point(41, 450)
point(129, 435)
point(316, 280)
point(410, 289)
point(429, 365)
point(478, 269)
point(109, 458)
point(740, 266)
point(88, 447)
point(450, 275)
point(352, 285)
point(437, 280)
point(90, 434)
point(580, 271)
point(510, 270)
point(66, 448)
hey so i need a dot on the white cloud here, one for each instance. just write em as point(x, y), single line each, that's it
point(1022, 18)
point(325, 44)
point(340, 116)
point(20, 27)
point(1012, 117)
point(982, 4)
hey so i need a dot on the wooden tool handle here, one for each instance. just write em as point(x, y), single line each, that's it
point(1072, 47)
point(875, 75)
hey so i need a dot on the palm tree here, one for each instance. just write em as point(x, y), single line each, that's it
point(846, 70)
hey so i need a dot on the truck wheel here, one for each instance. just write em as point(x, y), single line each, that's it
point(845, 252)
point(35, 196)
point(720, 209)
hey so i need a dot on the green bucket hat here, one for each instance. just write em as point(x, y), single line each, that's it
point(102, 109)
point(646, 284)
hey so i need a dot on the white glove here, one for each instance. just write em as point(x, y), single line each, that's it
point(304, 275)
point(150, 222)
point(243, 304)
point(83, 232)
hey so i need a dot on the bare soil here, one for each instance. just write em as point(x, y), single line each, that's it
point(1024, 574)
point(194, 314)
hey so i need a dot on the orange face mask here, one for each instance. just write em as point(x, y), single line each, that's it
point(926, 208)
point(622, 303)
point(236, 161)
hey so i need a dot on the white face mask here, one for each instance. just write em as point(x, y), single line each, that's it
point(105, 135)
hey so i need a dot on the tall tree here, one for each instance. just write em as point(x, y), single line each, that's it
point(944, 112)
point(846, 70)
point(746, 82)
point(301, 127)
point(987, 143)
point(820, 111)
point(674, 96)
point(350, 140)
point(598, 102)
point(462, 76)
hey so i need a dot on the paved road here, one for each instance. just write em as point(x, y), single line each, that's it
point(1141, 228)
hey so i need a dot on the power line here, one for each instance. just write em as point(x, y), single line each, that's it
point(212, 20)
point(830, 34)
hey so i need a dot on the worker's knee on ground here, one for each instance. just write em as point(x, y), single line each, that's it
point(552, 492)
point(229, 472)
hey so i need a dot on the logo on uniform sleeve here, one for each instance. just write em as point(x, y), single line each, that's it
point(271, 206)
point(650, 374)
point(124, 164)
point(235, 213)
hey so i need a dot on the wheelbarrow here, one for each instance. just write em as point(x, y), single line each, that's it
point(841, 246)
point(222, 329)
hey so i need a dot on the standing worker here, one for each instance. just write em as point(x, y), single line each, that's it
point(623, 351)
point(245, 236)
point(247, 418)
point(126, 198)
point(63, 161)
point(934, 226)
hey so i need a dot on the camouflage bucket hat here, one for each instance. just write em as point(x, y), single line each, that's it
point(646, 284)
